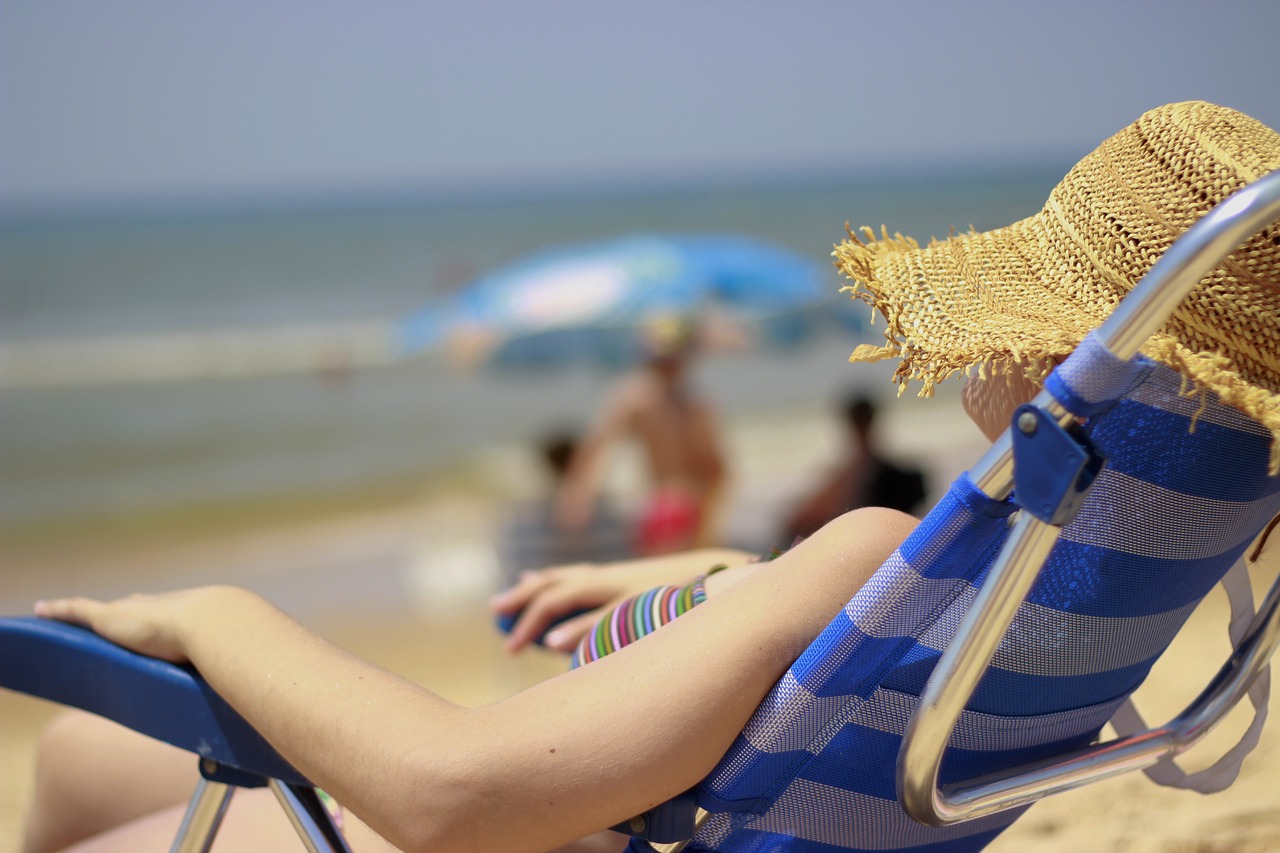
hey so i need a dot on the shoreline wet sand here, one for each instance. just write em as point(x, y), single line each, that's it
point(401, 577)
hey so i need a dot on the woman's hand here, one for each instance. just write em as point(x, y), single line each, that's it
point(152, 625)
point(543, 597)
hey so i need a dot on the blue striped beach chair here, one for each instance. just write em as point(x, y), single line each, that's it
point(973, 673)
point(815, 770)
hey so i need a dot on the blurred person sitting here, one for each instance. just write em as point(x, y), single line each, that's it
point(679, 439)
point(530, 537)
point(862, 477)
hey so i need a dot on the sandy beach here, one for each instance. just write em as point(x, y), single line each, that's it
point(403, 579)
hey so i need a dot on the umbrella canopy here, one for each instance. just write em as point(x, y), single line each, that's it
point(585, 303)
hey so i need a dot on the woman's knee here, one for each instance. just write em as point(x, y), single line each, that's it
point(92, 774)
point(51, 817)
point(83, 754)
point(889, 526)
point(60, 754)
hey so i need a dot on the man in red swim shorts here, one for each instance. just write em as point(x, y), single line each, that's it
point(670, 522)
point(679, 441)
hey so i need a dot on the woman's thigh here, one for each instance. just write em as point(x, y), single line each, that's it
point(104, 787)
point(254, 823)
point(93, 774)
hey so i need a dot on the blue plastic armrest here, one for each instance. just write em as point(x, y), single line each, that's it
point(73, 666)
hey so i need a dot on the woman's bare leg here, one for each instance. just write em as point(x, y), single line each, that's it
point(254, 823)
point(92, 775)
point(104, 788)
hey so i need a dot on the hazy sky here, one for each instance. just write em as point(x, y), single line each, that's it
point(163, 101)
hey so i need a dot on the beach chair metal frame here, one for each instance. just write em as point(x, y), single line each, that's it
point(1139, 315)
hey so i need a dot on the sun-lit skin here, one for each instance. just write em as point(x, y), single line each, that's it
point(989, 398)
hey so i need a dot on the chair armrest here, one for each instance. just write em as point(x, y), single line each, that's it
point(74, 666)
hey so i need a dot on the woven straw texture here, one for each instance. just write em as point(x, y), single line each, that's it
point(1028, 293)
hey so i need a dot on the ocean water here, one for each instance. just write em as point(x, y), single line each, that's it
point(204, 358)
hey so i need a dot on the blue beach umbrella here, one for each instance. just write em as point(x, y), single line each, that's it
point(585, 303)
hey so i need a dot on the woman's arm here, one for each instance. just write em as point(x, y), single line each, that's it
point(579, 752)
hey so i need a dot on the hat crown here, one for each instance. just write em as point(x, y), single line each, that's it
point(1132, 197)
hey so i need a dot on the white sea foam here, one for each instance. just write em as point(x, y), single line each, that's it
point(322, 348)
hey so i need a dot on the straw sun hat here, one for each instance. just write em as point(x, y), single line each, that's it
point(1027, 294)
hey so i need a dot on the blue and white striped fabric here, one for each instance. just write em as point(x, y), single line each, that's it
point(1171, 512)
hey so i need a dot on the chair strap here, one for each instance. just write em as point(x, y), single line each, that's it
point(1223, 772)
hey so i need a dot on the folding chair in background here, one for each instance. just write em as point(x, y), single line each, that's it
point(974, 672)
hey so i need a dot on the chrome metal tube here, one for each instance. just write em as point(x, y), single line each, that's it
point(962, 665)
point(699, 819)
point(1022, 785)
point(202, 818)
point(314, 826)
point(1153, 300)
point(1232, 681)
point(994, 472)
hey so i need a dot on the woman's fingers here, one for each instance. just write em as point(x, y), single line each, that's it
point(553, 604)
point(143, 623)
point(514, 598)
point(540, 599)
point(566, 636)
point(79, 611)
point(534, 619)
